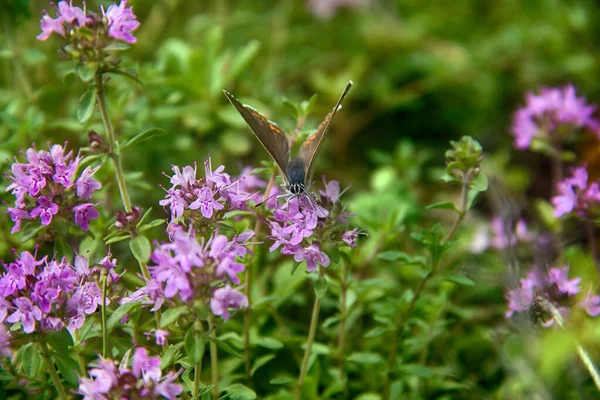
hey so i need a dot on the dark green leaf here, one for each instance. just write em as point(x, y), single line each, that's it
point(417, 370)
point(85, 72)
point(321, 286)
point(366, 358)
point(140, 248)
point(5, 376)
point(446, 205)
point(67, 366)
point(120, 312)
point(237, 391)
point(461, 280)
point(171, 315)
point(119, 237)
point(260, 362)
point(30, 230)
point(377, 331)
point(32, 360)
point(226, 347)
point(269, 343)
point(87, 103)
point(295, 266)
point(140, 137)
point(151, 224)
point(282, 380)
point(194, 343)
point(60, 340)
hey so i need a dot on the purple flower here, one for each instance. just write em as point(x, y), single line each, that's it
point(225, 299)
point(350, 237)
point(71, 14)
point(545, 112)
point(4, 342)
point(84, 213)
point(206, 203)
point(160, 336)
point(555, 286)
point(45, 210)
point(121, 22)
point(17, 216)
point(86, 185)
point(576, 194)
point(325, 9)
point(50, 26)
point(145, 367)
point(103, 380)
point(313, 257)
point(27, 313)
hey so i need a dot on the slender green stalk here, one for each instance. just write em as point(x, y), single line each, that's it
point(309, 342)
point(80, 359)
point(197, 370)
point(214, 360)
point(248, 288)
point(110, 135)
point(62, 394)
point(342, 333)
point(403, 315)
point(104, 279)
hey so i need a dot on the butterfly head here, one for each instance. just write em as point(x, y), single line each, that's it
point(296, 175)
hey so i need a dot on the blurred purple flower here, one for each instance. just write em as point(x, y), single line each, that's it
point(325, 9)
point(576, 194)
point(555, 286)
point(49, 26)
point(313, 257)
point(225, 299)
point(545, 112)
point(5, 350)
point(350, 237)
point(86, 185)
point(121, 22)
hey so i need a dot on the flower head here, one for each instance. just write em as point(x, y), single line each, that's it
point(576, 194)
point(121, 22)
point(226, 299)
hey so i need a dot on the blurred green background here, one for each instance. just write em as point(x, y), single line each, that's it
point(425, 72)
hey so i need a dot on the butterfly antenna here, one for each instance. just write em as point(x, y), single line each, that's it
point(267, 199)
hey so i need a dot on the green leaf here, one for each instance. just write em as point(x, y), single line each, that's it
point(282, 380)
point(117, 238)
point(120, 312)
point(30, 230)
point(144, 217)
point(140, 248)
point(479, 184)
point(87, 103)
point(293, 107)
point(260, 362)
point(140, 137)
point(117, 46)
point(171, 355)
point(85, 72)
point(269, 343)
point(237, 391)
point(5, 376)
point(241, 60)
point(461, 280)
point(171, 315)
point(67, 367)
point(226, 347)
point(295, 266)
point(419, 371)
point(366, 358)
point(194, 345)
point(32, 360)
point(152, 224)
point(309, 106)
point(334, 254)
point(60, 340)
point(321, 286)
point(445, 205)
point(377, 331)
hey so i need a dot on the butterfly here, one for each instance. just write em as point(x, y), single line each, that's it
point(297, 172)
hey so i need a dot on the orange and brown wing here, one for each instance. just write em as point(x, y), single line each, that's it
point(311, 146)
point(268, 133)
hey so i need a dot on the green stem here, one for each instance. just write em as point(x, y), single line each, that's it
point(342, 334)
point(403, 315)
point(248, 288)
point(110, 135)
point(214, 361)
point(197, 374)
point(104, 279)
point(62, 394)
point(309, 342)
point(80, 358)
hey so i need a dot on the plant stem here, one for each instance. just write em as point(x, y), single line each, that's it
point(104, 279)
point(309, 342)
point(342, 334)
point(214, 360)
point(591, 234)
point(198, 368)
point(248, 288)
point(52, 370)
point(403, 316)
point(110, 136)
point(80, 359)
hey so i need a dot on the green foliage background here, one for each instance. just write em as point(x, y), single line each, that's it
point(425, 72)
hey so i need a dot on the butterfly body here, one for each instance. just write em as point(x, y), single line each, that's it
point(297, 172)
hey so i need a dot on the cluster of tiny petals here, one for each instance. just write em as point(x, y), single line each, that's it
point(186, 269)
point(553, 285)
point(144, 380)
point(120, 21)
point(552, 108)
point(46, 185)
point(47, 295)
point(294, 223)
point(575, 193)
point(501, 235)
point(203, 198)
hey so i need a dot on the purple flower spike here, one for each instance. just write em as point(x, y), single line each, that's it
point(45, 210)
point(71, 14)
point(145, 367)
point(226, 299)
point(86, 185)
point(121, 22)
point(576, 194)
point(206, 203)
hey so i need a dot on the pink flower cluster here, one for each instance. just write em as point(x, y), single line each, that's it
point(144, 380)
point(48, 295)
point(194, 198)
point(552, 108)
point(576, 194)
point(554, 286)
point(295, 221)
point(46, 186)
point(119, 21)
point(188, 270)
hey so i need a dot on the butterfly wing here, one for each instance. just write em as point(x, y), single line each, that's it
point(311, 146)
point(268, 133)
